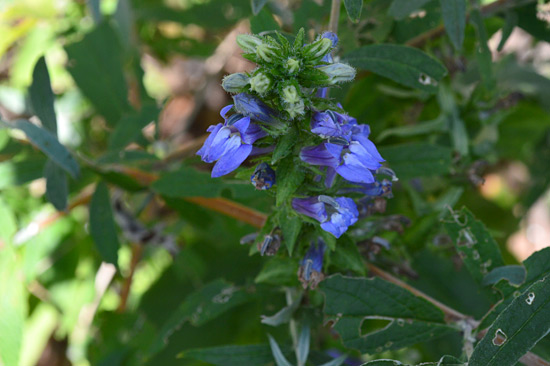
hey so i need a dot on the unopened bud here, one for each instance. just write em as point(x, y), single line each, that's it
point(266, 52)
point(248, 42)
point(263, 177)
point(338, 73)
point(318, 48)
point(234, 83)
point(295, 109)
point(260, 83)
point(292, 65)
point(289, 94)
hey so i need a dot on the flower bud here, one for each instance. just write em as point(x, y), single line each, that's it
point(289, 94)
point(234, 83)
point(338, 73)
point(260, 83)
point(266, 52)
point(292, 65)
point(263, 177)
point(248, 42)
point(318, 48)
point(332, 36)
point(295, 109)
point(255, 109)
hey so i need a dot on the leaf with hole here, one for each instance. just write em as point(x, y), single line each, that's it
point(402, 64)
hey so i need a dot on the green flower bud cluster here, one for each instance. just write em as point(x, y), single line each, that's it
point(289, 72)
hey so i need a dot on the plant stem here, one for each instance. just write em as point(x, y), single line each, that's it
point(334, 16)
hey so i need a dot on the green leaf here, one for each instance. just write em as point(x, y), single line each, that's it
point(517, 329)
point(436, 125)
point(285, 314)
point(400, 9)
point(16, 173)
point(277, 353)
point(257, 6)
point(483, 53)
point(417, 159)
point(290, 227)
point(12, 307)
point(383, 363)
point(202, 306)
point(354, 7)
point(531, 23)
point(41, 96)
point(454, 18)
point(285, 145)
point(405, 65)
point(289, 177)
point(129, 127)
point(48, 144)
point(9, 223)
point(258, 354)
point(347, 257)
point(102, 225)
point(278, 271)
point(476, 246)
point(263, 22)
point(413, 319)
point(189, 182)
point(514, 274)
point(511, 20)
point(537, 267)
point(95, 63)
point(57, 190)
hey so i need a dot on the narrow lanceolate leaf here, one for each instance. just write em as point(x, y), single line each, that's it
point(354, 7)
point(48, 144)
point(56, 185)
point(280, 359)
point(405, 65)
point(102, 225)
point(257, 5)
point(41, 96)
point(476, 246)
point(412, 319)
point(511, 21)
point(454, 18)
point(417, 159)
point(95, 63)
point(290, 227)
point(257, 354)
point(483, 53)
point(517, 329)
point(400, 9)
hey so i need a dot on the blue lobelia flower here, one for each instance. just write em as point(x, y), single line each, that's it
point(348, 150)
point(310, 271)
point(229, 143)
point(334, 214)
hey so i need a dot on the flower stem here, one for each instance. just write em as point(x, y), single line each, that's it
point(334, 16)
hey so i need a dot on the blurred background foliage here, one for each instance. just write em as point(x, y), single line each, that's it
point(136, 83)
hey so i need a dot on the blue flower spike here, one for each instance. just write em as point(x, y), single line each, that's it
point(310, 271)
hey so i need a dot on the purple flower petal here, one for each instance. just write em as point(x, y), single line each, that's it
point(231, 161)
point(204, 151)
point(319, 155)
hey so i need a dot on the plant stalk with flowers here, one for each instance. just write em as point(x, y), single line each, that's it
point(317, 161)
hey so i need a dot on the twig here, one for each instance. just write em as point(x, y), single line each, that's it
point(334, 16)
point(450, 314)
point(486, 10)
point(125, 292)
